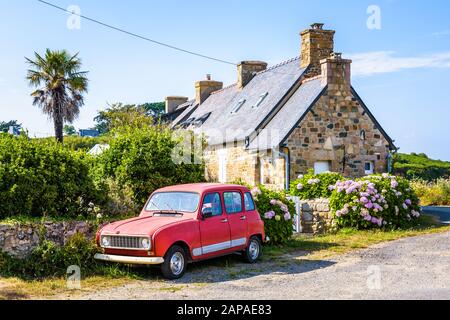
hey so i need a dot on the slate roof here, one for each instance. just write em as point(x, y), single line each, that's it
point(287, 119)
point(173, 116)
point(287, 102)
point(222, 126)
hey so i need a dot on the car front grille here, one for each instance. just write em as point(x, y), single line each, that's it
point(126, 242)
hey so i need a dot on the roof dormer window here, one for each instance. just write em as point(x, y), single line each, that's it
point(260, 100)
point(238, 106)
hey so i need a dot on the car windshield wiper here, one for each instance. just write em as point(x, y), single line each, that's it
point(166, 211)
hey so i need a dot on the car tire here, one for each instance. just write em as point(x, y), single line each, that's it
point(175, 262)
point(253, 251)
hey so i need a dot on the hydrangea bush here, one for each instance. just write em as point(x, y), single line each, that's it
point(376, 201)
point(277, 212)
point(313, 186)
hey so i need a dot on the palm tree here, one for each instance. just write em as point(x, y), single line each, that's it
point(60, 86)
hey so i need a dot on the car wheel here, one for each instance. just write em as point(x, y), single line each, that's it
point(175, 262)
point(253, 251)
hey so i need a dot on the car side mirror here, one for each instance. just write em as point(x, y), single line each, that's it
point(207, 212)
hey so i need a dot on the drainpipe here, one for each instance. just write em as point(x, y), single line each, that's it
point(287, 168)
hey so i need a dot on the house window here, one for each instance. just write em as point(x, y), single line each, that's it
point(222, 166)
point(260, 100)
point(322, 166)
point(369, 168)
point(238, 106)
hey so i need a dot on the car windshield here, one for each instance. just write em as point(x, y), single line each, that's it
point(174, 201)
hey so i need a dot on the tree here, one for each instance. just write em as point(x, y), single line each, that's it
point(69, 130)
point(4, 126)
point(60, 86)
point(120, 115)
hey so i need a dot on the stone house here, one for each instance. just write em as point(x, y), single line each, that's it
point(276, 123)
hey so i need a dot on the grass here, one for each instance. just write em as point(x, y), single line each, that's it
point(305, 247)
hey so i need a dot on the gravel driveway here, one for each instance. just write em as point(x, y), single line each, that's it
point(412, 268)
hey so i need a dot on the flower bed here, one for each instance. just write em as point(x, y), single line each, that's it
point(376, 201)
point(277, 212)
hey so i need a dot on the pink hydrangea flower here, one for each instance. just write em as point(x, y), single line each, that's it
point(394, 183)
point(287, 216)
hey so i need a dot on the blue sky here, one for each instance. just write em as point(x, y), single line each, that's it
point(402, 71)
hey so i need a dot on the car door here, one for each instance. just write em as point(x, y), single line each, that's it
point(214, 230)
point(237, 218)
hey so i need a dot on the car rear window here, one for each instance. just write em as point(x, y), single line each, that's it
point(233, 202)
point(248, 201)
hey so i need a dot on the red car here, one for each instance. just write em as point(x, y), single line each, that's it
point(186, 223)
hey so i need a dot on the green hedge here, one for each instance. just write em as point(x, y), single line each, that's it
point(312, 186)
point(42, 178)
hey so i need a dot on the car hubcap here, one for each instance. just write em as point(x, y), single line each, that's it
point(177, 263)
point(254, 249)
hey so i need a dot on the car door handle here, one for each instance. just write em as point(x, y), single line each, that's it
point(224, 220)
point(244, 218)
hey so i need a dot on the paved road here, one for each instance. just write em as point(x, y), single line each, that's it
point(412, 268)
point(442, 212)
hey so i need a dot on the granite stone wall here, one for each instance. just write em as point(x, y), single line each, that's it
point(19, 240)
point(316, 216)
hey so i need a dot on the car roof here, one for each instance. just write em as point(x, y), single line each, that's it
point(202, 187)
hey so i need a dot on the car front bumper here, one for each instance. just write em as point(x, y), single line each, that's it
point(129, 260)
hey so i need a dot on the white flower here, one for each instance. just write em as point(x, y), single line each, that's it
point(300, 176)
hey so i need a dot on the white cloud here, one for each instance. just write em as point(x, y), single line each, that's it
point(370, 63)
point(443, 33)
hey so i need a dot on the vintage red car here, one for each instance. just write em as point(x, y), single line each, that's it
point(186, 223)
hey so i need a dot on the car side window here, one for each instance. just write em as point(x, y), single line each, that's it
point(233, 202)
point(212, 200)
point(248, 201)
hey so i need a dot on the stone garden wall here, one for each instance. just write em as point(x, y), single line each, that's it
point(19, 240)
point(316, 216)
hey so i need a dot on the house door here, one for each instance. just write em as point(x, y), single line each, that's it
point(222, 154)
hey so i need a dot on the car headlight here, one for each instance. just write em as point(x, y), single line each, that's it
point(145, 243)
point(105, 241)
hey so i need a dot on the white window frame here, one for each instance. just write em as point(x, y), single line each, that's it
point(318, 169)
point(372, 167)
point(222, 155)
point(261, 99)
point(238, 106)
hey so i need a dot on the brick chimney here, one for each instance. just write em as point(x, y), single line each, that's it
point(317, 44)
point(336, 73)
point(204, 88)
point(173, 102)
point(247, 70)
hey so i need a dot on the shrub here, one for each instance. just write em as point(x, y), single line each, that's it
point(277, 212)
point(140, 160)
point(419, 166)
point(50, 260)
point(376, 201)
point(435, 193)
point(312, 186)
point(41, 177)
